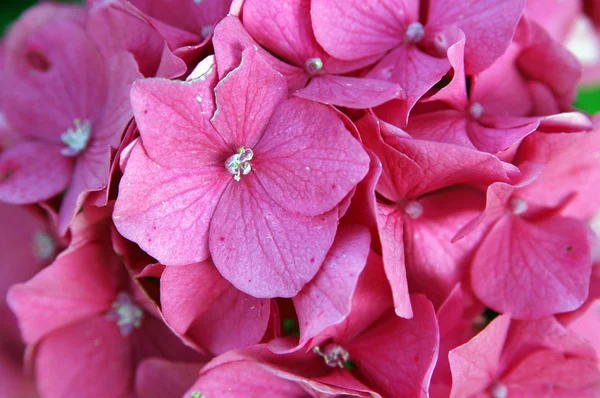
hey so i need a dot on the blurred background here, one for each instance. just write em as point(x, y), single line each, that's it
point(588, 98)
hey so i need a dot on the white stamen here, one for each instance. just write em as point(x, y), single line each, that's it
point(518, 206)
point(414, 33)
point(206, 31)
point(43, 245)
point(413, 209)
point(476, 110)
point(333, 354)
point(239, 163)
point(127, 315)
point(199, 98)
point(76, 139)
point(499, 390)
point(313, 66)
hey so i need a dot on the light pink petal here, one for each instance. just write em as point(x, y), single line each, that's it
point(307, 161)
point(246, 100)
point(32, 171)
point(283, 27)
point(55, 75)
point(554, 372)
point(555, 16)
point(326, 300)
point(262, 249)
point(157, 378)
point(531, 269)
point(173, 118)
point(349, 92)
point(90, 358)
point(436, 272)
point(355, 29)
point(231, 39)
point(196, 295)
point(391, 229)
point(488, 25)
point(476, 364)
point(415, 71)
point(398, 355)
point(587, 323)
point(245, 379)
point(168, 211)
point(77, 286)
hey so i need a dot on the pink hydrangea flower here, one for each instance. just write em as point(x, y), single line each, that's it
point(252, 180)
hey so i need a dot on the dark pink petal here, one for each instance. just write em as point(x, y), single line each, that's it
point(55, 75)
point(262, 249)
point(488, 25)
point(75, 287)
point(327, 299)
point(244, 379)
point(349, 92)
point(32, 171)
point(168, 211)
point(197, 301)
point(283, 27)
point(475, 365)
point(391, 230)
point(90, 358)
point(231, 39)
point(307, 161)
point(397, 356)
point(355, 29)
point(246, 100)
point(173, 118)
point(496, 134)
point(415, 71)
point(531, 269)
point(157, 378)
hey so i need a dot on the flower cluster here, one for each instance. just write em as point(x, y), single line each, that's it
point(299, 198)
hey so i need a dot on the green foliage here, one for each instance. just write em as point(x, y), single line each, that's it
point(11, 9)
point(588, 99)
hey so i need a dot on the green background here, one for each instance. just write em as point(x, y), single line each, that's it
point(588, 98)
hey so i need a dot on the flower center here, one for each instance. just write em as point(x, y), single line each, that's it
point(333, 354)
point(413, 209)
point(43, 245)
point(313, 66)
point(127, 315)
point(239, 163)
point(76, 139)
point(498, 390)
point(476, 110)
point(518, 206)
point(414, 33)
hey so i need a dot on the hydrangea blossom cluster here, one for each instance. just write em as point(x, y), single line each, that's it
point(300, 198)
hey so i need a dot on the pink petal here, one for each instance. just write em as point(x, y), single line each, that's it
point(176, 209)
point(391, 229)
point(531, 269)
point(283, 27)
point(326, 300)
point(246, 100)
point(70, 83)
point(231, 39)
point(355, 29)
point(90, 358)
point(349, 92)
point(173, 118)
point(76, 286)
point(488, 25)
point(307, 161)
point(262, 249)
point(415, 71)
point(398, 355)
point(157, 378)
point(245, 379)
point(475, 364)
point(553, 372)
point(32, 171)
point(436, 272)
point(196, 295)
